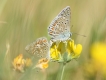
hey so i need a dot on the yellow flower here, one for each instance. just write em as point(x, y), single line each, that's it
point(98, 54)
point(65, 51)
point(19, 63)
point(74, 50)
point(55, 53)
point(42, 63)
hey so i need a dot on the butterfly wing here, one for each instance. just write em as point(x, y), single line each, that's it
point(39, 47)
point(61, 24)
point(66, 12)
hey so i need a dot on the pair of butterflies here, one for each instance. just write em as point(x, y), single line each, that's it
point(59, 30)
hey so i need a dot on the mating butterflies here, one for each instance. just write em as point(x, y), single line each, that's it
point(59, 29)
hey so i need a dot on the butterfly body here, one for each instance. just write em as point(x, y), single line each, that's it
point(59, 28)
point(64, 36)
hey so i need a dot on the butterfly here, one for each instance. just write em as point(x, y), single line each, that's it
point(59, 28)
point(39, 47)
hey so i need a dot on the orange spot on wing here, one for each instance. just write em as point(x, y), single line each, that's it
point(44, 40)
point(50, 32)
point(52, 28)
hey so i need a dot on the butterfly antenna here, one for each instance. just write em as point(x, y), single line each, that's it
point(79, 34)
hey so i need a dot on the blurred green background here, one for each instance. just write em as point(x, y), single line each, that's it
point(23, 21)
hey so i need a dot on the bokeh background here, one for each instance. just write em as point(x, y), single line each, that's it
point(23, 21)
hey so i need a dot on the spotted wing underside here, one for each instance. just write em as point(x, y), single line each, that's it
point(61, 23)
point(39, 47)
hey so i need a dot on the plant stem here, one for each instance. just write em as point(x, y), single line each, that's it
point(62, 71)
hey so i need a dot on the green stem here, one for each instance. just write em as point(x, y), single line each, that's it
point(62, 71)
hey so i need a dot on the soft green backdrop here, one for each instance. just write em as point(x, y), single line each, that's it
point(23, 21)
